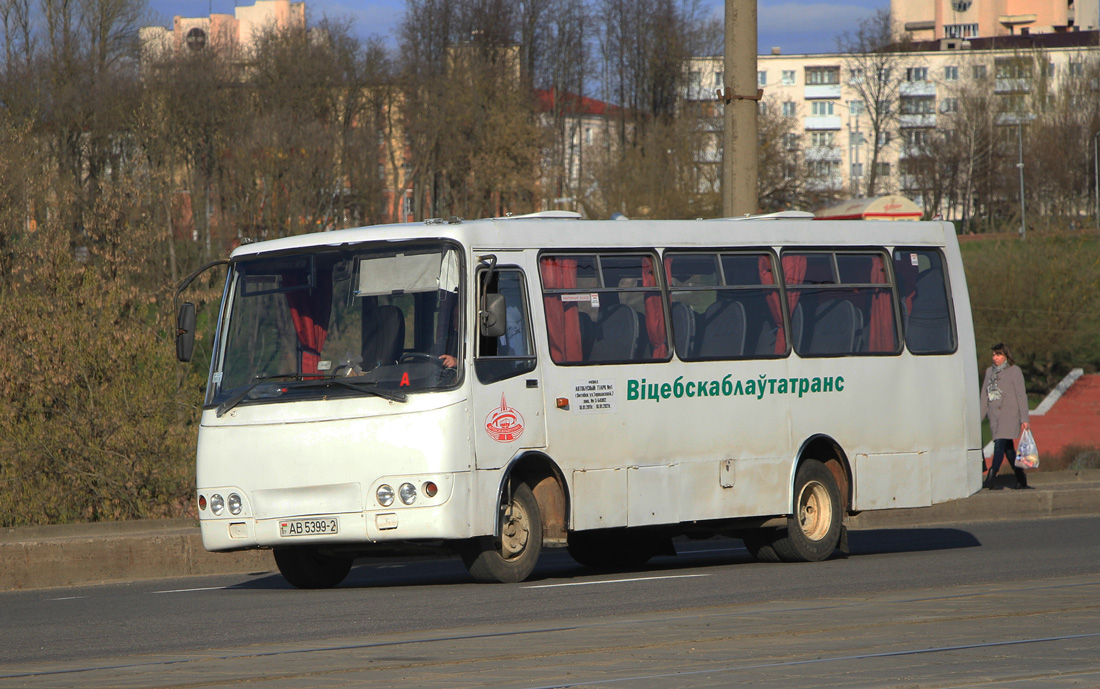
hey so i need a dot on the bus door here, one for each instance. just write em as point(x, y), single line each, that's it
point(508, 411)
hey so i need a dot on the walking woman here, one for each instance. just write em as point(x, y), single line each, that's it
point(1004, 401)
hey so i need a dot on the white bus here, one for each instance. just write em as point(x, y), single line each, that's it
point(500, 386)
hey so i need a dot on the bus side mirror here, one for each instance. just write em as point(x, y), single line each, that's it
point(492, 315)
point(185, 332)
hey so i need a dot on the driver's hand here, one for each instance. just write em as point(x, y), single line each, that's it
point(449, 361)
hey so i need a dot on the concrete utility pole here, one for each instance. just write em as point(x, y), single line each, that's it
point(741, 96)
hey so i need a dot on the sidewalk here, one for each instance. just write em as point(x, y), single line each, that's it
point(80, 554)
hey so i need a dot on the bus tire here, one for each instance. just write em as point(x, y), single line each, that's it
point(512, 557)
point(761, 545)
point(813, 531)
point(306, 568)
point(612, 549)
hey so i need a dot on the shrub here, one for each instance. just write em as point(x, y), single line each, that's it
point(1041, 297)
point(97, 420)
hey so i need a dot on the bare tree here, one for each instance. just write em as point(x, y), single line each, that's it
point(876, 62)
point(782, 169)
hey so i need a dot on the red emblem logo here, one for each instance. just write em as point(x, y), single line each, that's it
point(504, 424)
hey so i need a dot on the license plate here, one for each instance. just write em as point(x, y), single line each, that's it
point(319, 526)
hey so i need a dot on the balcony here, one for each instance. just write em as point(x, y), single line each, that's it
point(924, 121)
point(917, 88)
point(1017, 85)
point(819, 91)
point(819, 122)
point(1011, 119)
point(823, 153)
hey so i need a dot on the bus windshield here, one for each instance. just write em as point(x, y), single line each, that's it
point(338, 322)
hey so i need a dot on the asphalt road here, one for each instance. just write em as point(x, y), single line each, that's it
point(985, 604)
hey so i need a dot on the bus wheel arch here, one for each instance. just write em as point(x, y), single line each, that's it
point(820, 498)
point(547, 483)
point(530, 510)
point(827, 451)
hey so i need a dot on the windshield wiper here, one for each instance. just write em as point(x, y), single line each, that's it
point(311, 380)
point(358, 385)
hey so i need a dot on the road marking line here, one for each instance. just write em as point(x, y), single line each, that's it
point(614, 581)
point(208, 588)
point(68, 598)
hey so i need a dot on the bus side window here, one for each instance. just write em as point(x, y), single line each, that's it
point(724, 306)
point(511, 354)
point(604, 308)
point(841, 303)
point(927, 318)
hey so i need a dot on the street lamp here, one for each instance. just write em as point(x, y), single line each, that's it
point(1096, 175)
point(1020, 167)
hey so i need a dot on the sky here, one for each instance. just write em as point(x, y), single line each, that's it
point(794, 26)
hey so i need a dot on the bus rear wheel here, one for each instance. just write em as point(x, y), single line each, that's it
point(306, 568)
point(512, 557)
point(813, 531)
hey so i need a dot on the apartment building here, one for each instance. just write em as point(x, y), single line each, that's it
point(927, 20)
point(832, 124)
point(228, 31)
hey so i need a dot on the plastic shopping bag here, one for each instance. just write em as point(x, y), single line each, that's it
point(1027, 454)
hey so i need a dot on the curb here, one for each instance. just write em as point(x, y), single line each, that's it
point(83, 554)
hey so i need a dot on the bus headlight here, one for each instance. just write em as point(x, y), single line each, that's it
point(408, 493)
point(234, 503)
point(384, 495)
point(217, 503)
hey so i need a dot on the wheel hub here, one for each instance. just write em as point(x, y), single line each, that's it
point(814, 511)
point(514, 531)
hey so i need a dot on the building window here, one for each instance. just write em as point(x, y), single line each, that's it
point(883, 169)
point(788, 108)
point(718, 77)
point(917, 105)
point(915, 138)
point(822, 107)
point(960, 30)
point(949, 105)
point(762, 78)
point(1050, 69)
point(951, 73)
point(825, 168)
point(791, 140)
point(1076, 69)
point(1014, 103)
point(857, 169)
point(822, 139)
point(855, 108)
point(979, 72)
point(788, 77)
point(695, 81)
point(916, 74)
point(820, 76)
point(1013, 68)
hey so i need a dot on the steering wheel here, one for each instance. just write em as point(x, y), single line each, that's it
point(420, 356)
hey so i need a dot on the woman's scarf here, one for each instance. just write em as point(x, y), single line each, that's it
point(994, 390)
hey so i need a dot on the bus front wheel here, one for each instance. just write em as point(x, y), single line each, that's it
point(512, 556)
point(813, 531)
point(305, 568)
